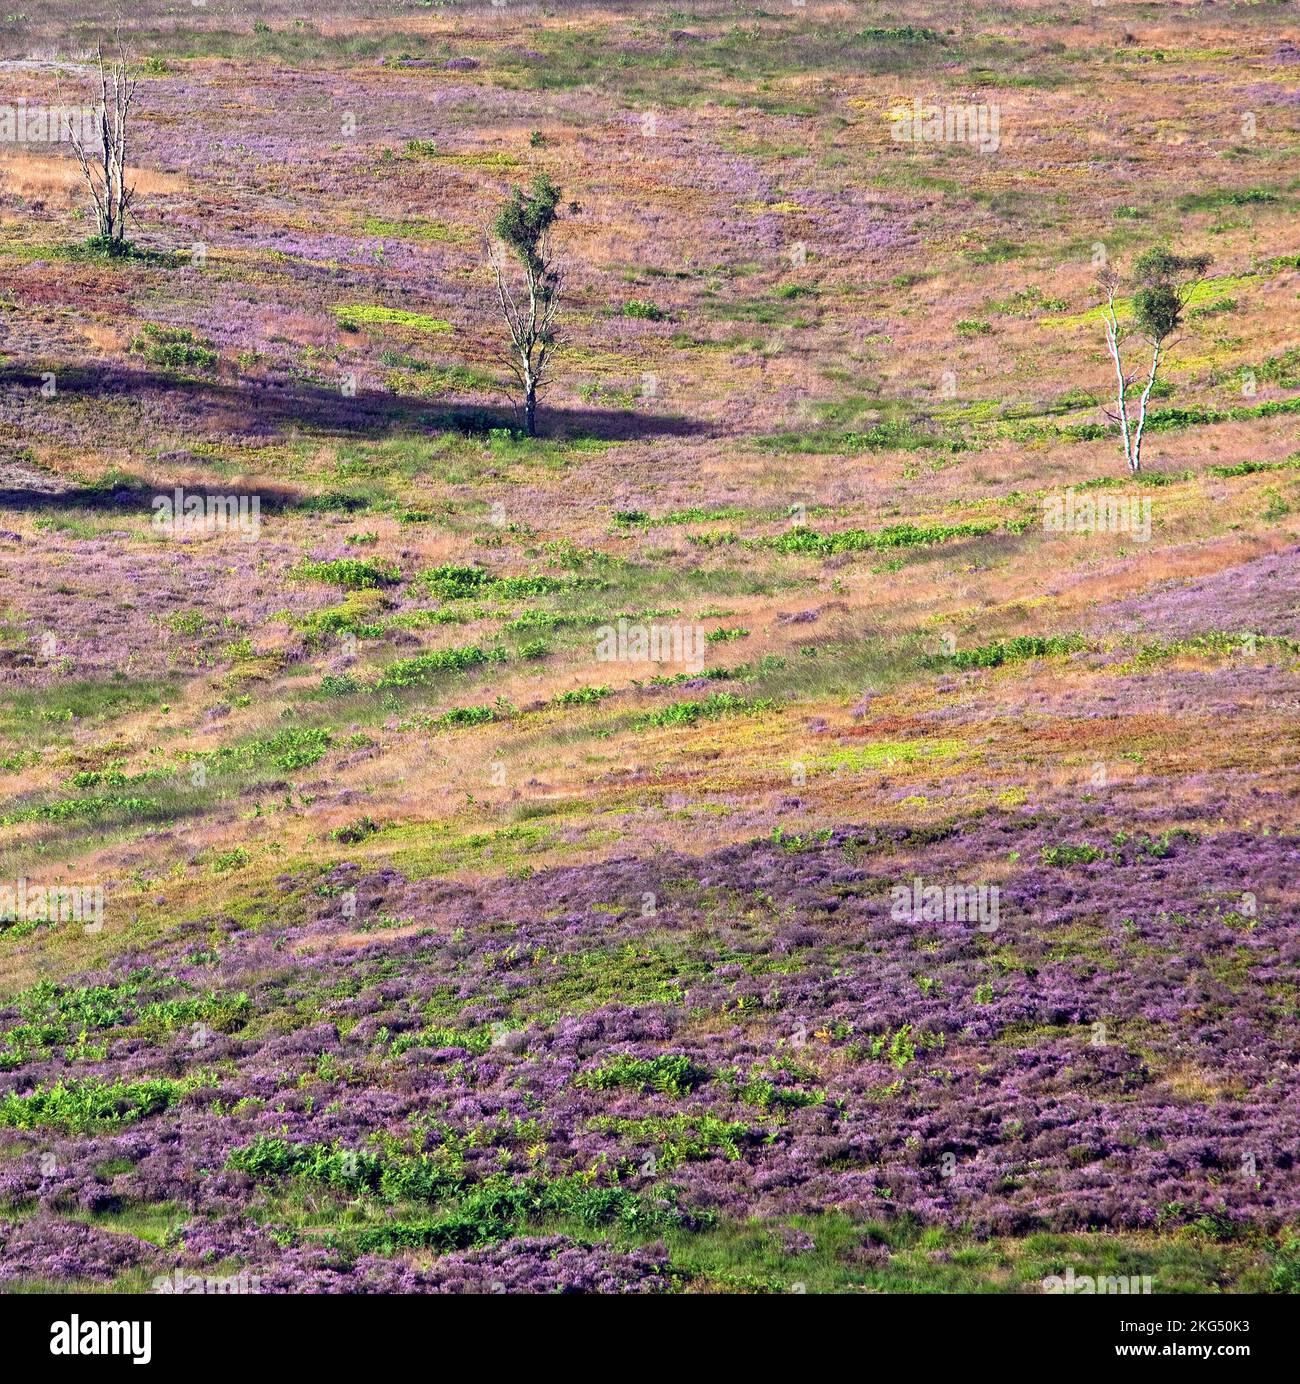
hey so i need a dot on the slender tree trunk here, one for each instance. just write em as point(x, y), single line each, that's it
point(530, 408)
point(1112, 345)
point(1135, 461)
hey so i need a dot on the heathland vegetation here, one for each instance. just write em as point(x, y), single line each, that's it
point(649, 648)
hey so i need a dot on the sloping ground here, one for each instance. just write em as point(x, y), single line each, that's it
point(937, 929)
point(1110, 1046)
point(1259, 597)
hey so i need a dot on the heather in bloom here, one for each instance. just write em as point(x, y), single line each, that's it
point(820, 1052)
point(788, 819)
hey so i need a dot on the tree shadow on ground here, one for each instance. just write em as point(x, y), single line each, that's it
point(270, 408)
point(130, 497)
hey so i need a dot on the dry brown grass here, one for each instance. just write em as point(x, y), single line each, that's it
point(58, 175)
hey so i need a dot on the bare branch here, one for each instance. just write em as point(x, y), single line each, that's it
point(105, 168)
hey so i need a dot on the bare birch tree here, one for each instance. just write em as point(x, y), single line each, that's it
point(104, 166)
point(1162, 286)
point(522, 230)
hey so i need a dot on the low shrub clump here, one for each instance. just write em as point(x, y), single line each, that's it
point(353, 573)
point(174, 348)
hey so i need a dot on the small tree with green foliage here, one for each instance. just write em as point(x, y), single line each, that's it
point(1162, 284)
point(521, 231)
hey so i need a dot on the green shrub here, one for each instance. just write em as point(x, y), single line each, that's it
point(70, 809)
point(80, 1105)
point(672, 1073)
point(638, 307)
point(517, 588)
point(719, 704)
point(353, 573)
point(469, 1213)
point(268, 1157)
point(465, 716)
point(1286, 1268)
point(901, 33)
point(175, 348)
point(411, 672)
point(453, 583)
point(342, 619)
point(1007, 651)
point(765, 1095)
point(286, 749)
point(1086, 854)
point(580, 696)
point(805, 540)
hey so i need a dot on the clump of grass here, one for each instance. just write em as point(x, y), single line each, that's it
point(353, 833)
point(352, 317)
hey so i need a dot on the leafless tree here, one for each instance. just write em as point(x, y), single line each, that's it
point(104, 166)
